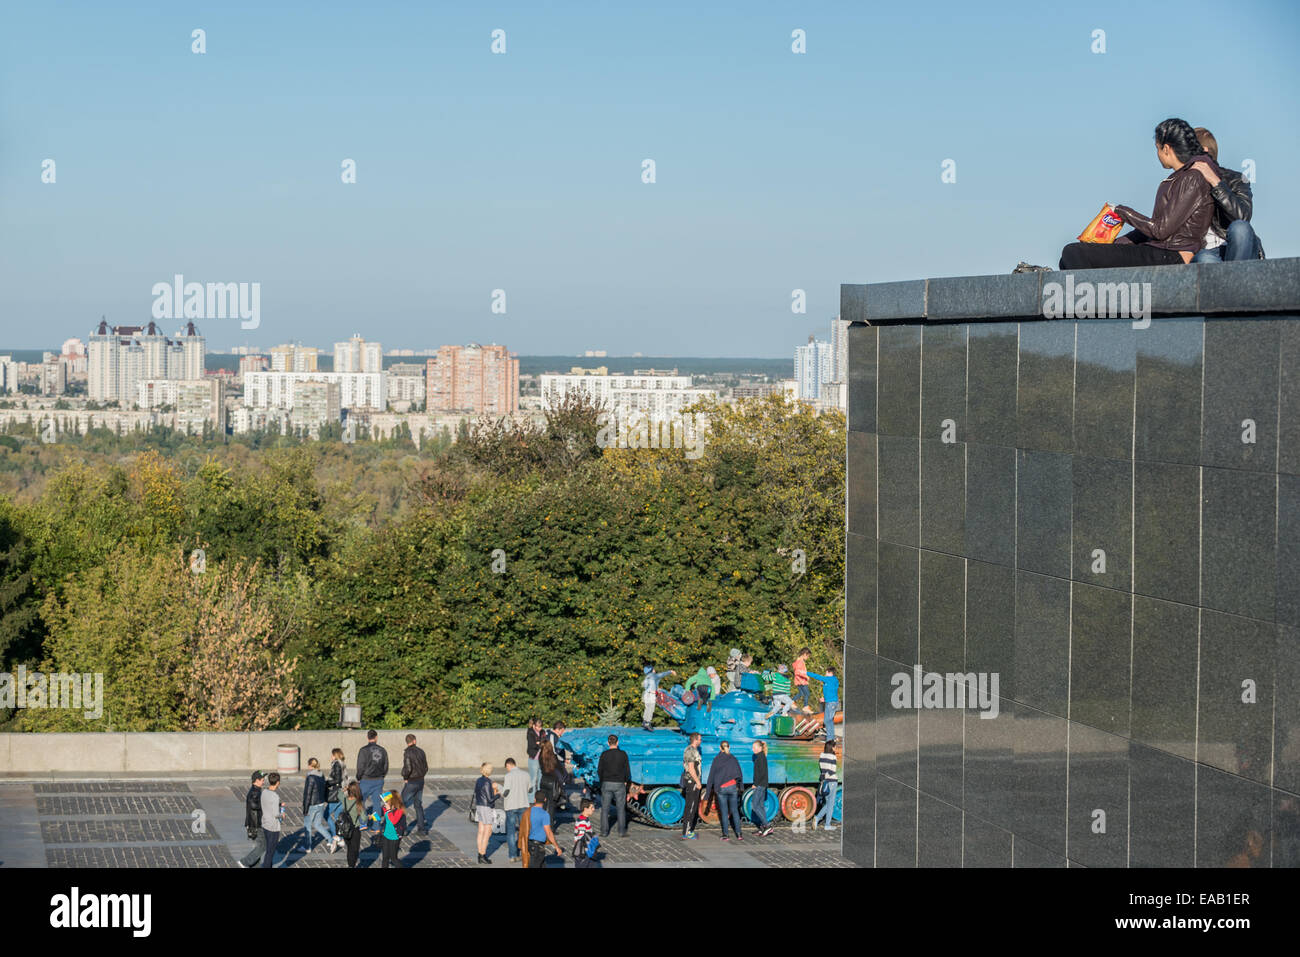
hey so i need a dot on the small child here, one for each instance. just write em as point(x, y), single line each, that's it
point(584, 834)
point(387, 819)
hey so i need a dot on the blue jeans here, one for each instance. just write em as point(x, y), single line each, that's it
point(315, 821)
point(534, 776)
point(331, 816)
point(512, 832)
point(828, 709)
point(758, 808)
point(371, 788)
point(801, 695)
point(613, 797)
point(828, 809)
point(413, 798)
point(729, 809)
point(1242, 244)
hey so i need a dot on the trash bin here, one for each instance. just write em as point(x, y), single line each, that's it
point(286, 758)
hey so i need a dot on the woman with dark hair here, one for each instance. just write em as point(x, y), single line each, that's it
point(551, 780)
point(1175, 230)
point(350, 830)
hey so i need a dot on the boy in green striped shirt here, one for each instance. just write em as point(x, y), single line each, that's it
point(778, 686)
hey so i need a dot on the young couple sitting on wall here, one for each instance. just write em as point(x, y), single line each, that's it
point(1202, 213)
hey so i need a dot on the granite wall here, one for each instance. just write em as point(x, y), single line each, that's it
point(1107, 519)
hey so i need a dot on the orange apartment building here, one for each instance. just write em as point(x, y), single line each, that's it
point(473, 378)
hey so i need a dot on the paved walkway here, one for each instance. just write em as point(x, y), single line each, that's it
point(197, 820)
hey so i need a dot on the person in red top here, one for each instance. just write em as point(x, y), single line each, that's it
point(800, 669)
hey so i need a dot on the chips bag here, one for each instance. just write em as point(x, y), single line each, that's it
point(1105, 226)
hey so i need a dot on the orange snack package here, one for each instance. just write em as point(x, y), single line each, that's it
point(1105, 226)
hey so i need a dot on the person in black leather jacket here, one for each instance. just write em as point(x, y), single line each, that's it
point(253, 821)
point(1175, 230)
point(372, 765)
point(1231, 237)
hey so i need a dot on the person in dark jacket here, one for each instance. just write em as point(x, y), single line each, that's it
point(335, 782)
point(758, 803)
point(485, 799)
point(314, 791)
point(1231, 237)
point(1175, 230)
point(724, 783)
point(354, 810)
point(372, 765)
point(615, 776)
point(552, 782)
point(414, 768)
point(253, 821)
point(534, 741)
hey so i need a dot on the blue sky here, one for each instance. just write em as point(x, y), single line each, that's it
point(522, 171)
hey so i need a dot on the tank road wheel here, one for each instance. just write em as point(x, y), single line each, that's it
point(666, 805)
point(798, 802)
point(770, 805)
point(712, 816)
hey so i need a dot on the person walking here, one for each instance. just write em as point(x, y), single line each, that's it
point(534, 740)
point(372, 765)
point(830, 700)
point(551, 784)
point(725, 782)
point(649, 689)
point(272, 812)
point(314, 793)
point(583, 834)
point(390, 821)
point(335, 781)
point(515, 795)
point(351, 822)
point(540, 833)
point(801, 679)
point(253, 821)
point(485, 799)
point(691, 786)
point(615, 776)
point(414, 768)
point(758, 803)
point(828, 785)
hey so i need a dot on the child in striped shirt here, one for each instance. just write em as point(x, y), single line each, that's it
point(582, 834)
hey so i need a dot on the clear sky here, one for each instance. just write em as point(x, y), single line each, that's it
point(775, 171)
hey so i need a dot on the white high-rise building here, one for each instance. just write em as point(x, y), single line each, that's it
point(357, 355)
point(119, 357)
point(840, 350)
point(275, 390)
point(291, 358)
point(813, 366)
point(658, 396)
point(8, 374)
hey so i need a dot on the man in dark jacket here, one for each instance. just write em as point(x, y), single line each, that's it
point(1231, 237)
point(414, 767)
point(724, 783)
point(1175, 230)
point(615, 776)
point(372, 765)
point(253, 821)
point(758, 803)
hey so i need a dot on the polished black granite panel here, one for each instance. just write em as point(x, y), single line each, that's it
point(1044, 496)
point(899, 494)
point(896, 617)
point(943, 384)
point(1041, 771)
point(861, 484)
point(1238, 542)
point(1103, 521)
point(1042, 661)
point(939, 833)
point(1235, 704)
point(1098, 808)
point(943, 612)
point(1166, 640)
point(1288, 413)
point(1162, 809)
point(1104, 384)
point(860, 592)
point(992, 363)
point(862, 378)
point(1286, 829)
point(991, 623)
point(1029, 854)
point(1287, 608)
point(979, 297)
point(1253, 285)
point(896, 300)
point(1233, 821)
point(1100, 651)
point(940, 754)
point(984, 844)
point(896, 727)
point(853, 302)
point(943, 496)
point(895, 824)
point(1167, 415)
point(1045, 398)
point(1239, 429)
point(1166, 531)
point(859, 756)
point(990, 773)
point(1286, 717)
point(990, 515)
point(899, 390)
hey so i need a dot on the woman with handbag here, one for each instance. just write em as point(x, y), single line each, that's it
point(485, 799)
point(348, 823)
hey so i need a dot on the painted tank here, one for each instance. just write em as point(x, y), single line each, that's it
point(794, 748)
